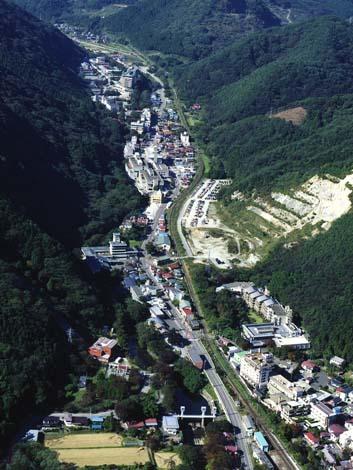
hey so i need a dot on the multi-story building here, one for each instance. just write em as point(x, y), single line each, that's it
point(102, 349)
point(110, 257)
point(321, 413)
point(255, 369)
point(292, 409)
point(279, 384)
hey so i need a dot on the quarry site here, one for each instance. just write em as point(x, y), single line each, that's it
point(242, 233)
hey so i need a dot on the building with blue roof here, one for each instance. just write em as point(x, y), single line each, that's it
point(163, 241)
point(261, 441)
point(97, 423)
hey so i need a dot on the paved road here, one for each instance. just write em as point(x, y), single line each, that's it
point(227, 403)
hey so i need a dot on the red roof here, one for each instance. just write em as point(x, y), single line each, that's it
point(187, 311)
point(167, 276)
point(151, 422)
point(309, 436)
point(231, 449)
point(336, 429)
point(309, 364)
point(134, 425)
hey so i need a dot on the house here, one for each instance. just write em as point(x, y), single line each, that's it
point(151, 423)
point(33, 435)
point(337, 362)
point(170, 425)
point(310, 366)
point(50, 423)
point(119, 368)
point(138, 425)
point(75, 421)
point(311, 439)
point(335, 431)
point(97, 423)
point(163, 241)
point(103, 349)
point(176, 294)
point(136, 294)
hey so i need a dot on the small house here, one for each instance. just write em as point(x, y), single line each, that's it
point(97, 423)
point(170, 425)
point(311, 439)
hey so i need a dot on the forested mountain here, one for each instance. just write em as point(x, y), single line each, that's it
point(193, 29)
point(60, 182)
point(242, 86)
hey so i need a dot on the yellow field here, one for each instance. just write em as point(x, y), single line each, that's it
point(104, 456)
point(80, 441)
point(103, 449)
point(163, 458)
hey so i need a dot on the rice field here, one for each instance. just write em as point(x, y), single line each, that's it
point(103, 449)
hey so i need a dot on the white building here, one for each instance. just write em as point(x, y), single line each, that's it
point(255, 369)
point(321, 413)
point(279, 384)
point(185, 139)
point(170, 425)
point(346, 439)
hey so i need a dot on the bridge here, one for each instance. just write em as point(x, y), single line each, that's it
point(202, 416)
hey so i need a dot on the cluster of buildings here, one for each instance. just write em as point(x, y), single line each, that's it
point(279, 329)
point(324, 412)
point(160, 157)
point(111, 257)
point(110, 81)
point(300, 394)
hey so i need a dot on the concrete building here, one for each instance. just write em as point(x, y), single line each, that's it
point(292, 409)
point(103, 349)
point(282, 335)
point(147, 181)
point(110, 257)
point(170, 425)
point(322, 414)
point(156, 197)
point(279, 384)
point(337, 362)
point(255, 369)
point(119, 368)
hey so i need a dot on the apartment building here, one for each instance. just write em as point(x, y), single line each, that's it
point(321, 413)
point(279, 384)
point(255, 369)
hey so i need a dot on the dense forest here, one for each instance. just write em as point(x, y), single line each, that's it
point(61, 182)
point(315, 278)
point(243, 86)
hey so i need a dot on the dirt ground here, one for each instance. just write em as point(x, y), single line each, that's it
point(294, 115)
point(89, 440)
point(104, 456)
point(164, 458)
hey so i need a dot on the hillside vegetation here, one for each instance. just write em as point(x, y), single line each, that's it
point(240, 87)
point(61, 181)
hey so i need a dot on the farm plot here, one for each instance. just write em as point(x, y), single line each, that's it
point(96, 449)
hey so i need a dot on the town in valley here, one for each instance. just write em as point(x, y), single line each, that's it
point(266, 369)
